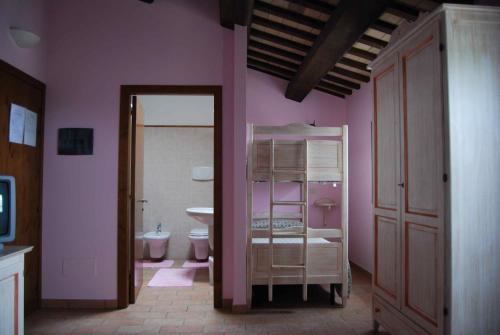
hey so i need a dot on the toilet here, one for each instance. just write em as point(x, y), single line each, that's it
point(199, 239)
point(157, 242)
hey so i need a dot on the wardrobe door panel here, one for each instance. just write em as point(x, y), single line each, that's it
point(386, 138)
point(386, 176)
point(387, 264)
point(422, 152)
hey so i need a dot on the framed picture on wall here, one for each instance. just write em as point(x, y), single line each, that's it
point(75, 141)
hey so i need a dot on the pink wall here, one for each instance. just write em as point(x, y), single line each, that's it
point(228, 147)
point(359, 112)
point(267, 105)
point(31, 16)
point(239, 168)
point(94, 47)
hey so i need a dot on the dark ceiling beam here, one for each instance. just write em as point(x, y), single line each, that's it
point(373, 42)
point(319, 6)
point(271, 73)
point(329, 92)
point(351, 74)
point(243, 10)
point(272, 68)
point(354, 64)
point(268, 58)
point(235, 12)
point(362, 53)
point(226, 13)
point(277, 51)
point(341, 81)
point(403, 11)
point(289, 15)
point(293, 56)
point(345, 26)
point(333, 87)
point(283, 28)
point(384, 27)
point(279, 40)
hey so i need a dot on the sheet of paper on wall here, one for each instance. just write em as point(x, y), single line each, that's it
point(16, 126)
point(30, 122)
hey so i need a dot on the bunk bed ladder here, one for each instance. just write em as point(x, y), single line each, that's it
point(303, 204)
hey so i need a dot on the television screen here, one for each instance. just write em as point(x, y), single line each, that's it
point(4, 208)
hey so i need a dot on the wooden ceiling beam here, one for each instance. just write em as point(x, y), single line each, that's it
point(342, 81)
point(269, 67)
point(345, 26)
point(278, 61)
point(279, 40)
point(351, 74)
point(362, 53)
point(235, 12)
point(277, 51)
point(335, 88)
point(384, 27)
point(354, 64)
point(403, 11)
point(324, 90)
point(288, 15)
point(319, 6)
point(373, 42)
point(271, 73)
point(258, 20)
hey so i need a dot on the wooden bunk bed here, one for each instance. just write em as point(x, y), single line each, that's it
point(296, 254)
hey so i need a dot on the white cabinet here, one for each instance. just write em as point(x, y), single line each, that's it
point(435, 171)
point(12, 290)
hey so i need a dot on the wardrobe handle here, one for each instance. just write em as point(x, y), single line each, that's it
point(401, 185)
point(377, 310)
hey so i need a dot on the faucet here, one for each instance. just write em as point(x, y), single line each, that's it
point(158, 228)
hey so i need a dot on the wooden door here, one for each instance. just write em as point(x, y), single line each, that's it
point(386, 176)
point(137, 198)
point(25, 164)
point(422, 150)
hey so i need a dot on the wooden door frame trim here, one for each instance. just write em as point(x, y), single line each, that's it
point(39, 85)
point(123, 231)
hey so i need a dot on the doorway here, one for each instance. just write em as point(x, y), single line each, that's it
point(129, 279)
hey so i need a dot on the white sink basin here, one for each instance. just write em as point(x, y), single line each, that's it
point(152, 235)
point(204, 215)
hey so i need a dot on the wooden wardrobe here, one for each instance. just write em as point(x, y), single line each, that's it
point(436, 175)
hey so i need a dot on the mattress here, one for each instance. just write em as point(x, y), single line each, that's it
point(289, 240)
point(278, 223)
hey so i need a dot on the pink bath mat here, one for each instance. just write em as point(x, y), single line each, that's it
point(163, 264)
point(173, 278)
point(195, 265)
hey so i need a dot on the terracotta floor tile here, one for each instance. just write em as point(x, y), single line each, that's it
point(178, 310)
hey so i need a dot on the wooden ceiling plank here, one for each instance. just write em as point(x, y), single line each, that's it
point(278, 40)
point(276, 51)
point(258, 20)
point(270, 67)
point(336, 88)
point(403, 11)
point(319, 6)
point(271, 73)
point(289, 15)
point(354, 64)
point(342, 81)
point(362, 53)
point(275, 60)
point(382, 26)
point(329, 92)
point(373, 42)
point(351, 74)
point(348, 22)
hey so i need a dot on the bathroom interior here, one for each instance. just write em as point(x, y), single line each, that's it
point(177, 186)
